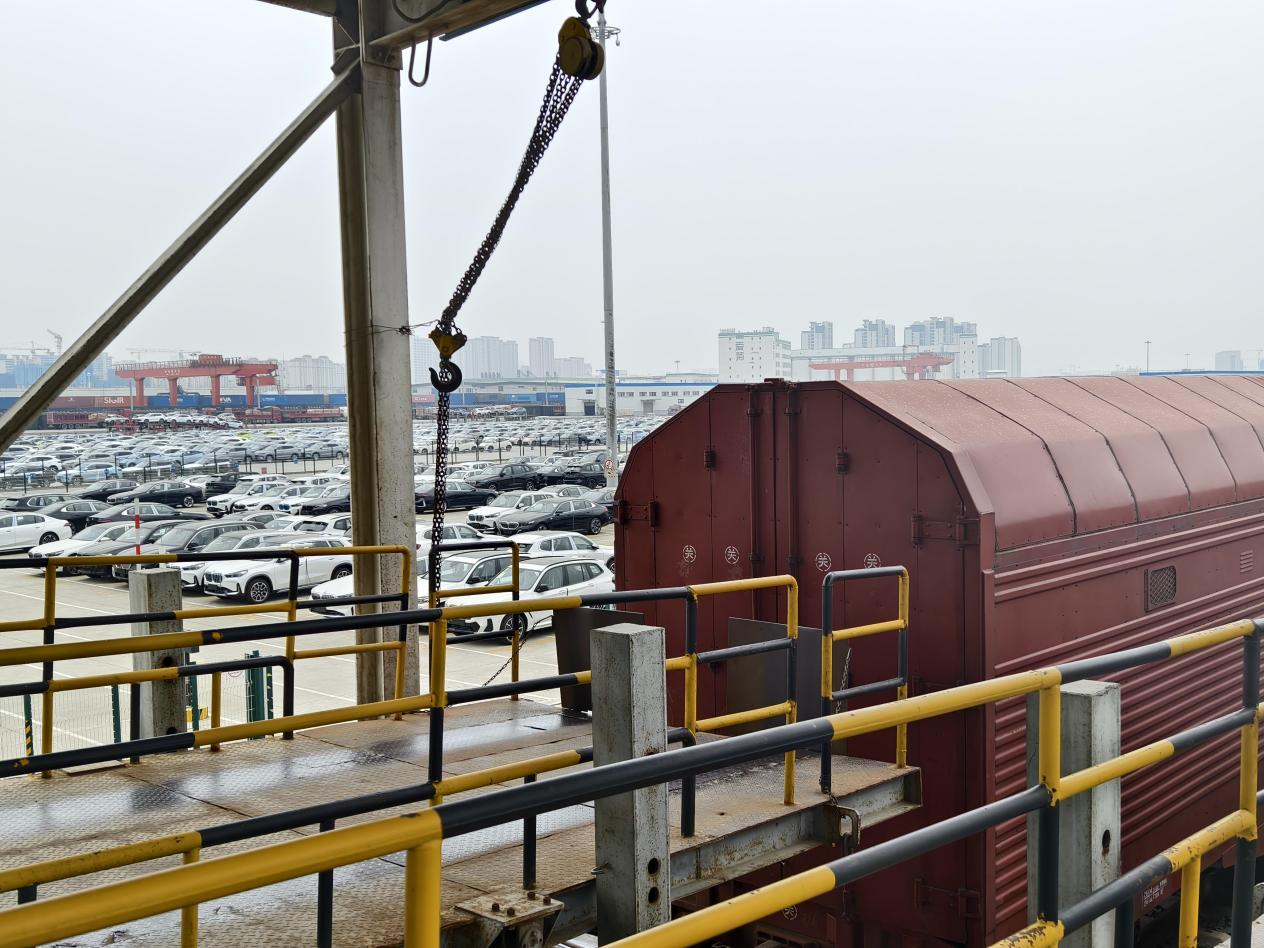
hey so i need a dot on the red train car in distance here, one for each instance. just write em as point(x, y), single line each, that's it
point(1041, 520)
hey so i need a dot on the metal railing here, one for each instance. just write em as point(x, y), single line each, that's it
point(831, 698)
point(421, 834)
point(49, 623)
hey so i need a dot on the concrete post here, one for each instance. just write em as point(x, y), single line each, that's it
point(1090, 821)
point(375, 295)
point(162, 707)
point(632, 830)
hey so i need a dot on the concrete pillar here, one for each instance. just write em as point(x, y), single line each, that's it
point(162, 707)
point(632, 830)
point(173, 392)
point(1090, 832)
point(379, 370)
point(216, 381)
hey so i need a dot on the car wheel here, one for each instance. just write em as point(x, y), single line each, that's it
point(296, 458)
point(187, 500)
point(506, 626)
point(48, 538)
point(76, 480)
point(258, 590)
point(594, 525)
point(265, 506)
point(340, 571)
point(421, 506)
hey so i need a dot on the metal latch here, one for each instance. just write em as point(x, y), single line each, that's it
point(625, 512)
point(965, 902)
point(513, 918)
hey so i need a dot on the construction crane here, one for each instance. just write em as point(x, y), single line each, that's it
point(178, 353)
point(56, 338)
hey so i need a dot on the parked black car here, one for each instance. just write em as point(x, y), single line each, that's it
point(514, 475)
point(146, 511)
point(173, 493)
point(461, 496)
point(125, 544)
point(603, 496)
point(104, 489)
point(74, 512)
point(587, 474)
point(337, 502)
point(32, 503)
point(222, 483)
point(561, 514)
point(187, 538)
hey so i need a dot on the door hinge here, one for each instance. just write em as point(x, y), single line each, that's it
point(625, 512)
point(965, 902)
point(708, 458)
point(842, 463)
point(964, 531)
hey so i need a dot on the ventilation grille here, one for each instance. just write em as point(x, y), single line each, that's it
point(1246, 561)
point(1160, 587)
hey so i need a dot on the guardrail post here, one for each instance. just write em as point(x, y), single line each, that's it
point(1245, 847)
point(1087, 830)
point(629, 686)
point(162, 705)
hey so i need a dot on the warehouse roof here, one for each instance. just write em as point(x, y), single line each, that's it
point(1058, 457)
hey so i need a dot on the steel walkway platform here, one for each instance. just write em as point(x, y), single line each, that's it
point(742, 825)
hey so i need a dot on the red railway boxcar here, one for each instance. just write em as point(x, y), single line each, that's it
point(1041, 520)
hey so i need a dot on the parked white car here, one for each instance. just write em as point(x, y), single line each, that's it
point(293, 503)
point(256, 581)
point(561, 542)
point(484, 518)
point(539, 579)
point(96, 533)
point(270, 499)
point(191, 574)
point(299, 524)
point(451, 531)
point(21, 531)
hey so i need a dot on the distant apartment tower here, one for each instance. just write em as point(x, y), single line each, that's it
point(312, 374)
point(541, 362)
point(424, 358)
point(572, 367)
point(874, 334)
point(817, 336)
point(490, 357)
point(1229, 361)
point(1000, 357)
point(938, 331)
point(753, 356)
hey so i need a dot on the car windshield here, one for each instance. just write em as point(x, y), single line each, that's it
point(527, 575)
point(226, 542)
point(454, 571)
point(178, 536)
point(94, 531)
point(240, 489)
point(505, 500)
point(543, 506)
point(10, 503)
point(275, 491)
point(312, 492)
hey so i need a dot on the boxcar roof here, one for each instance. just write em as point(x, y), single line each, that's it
point(1058, 457)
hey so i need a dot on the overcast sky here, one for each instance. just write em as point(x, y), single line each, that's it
point(1083, 175)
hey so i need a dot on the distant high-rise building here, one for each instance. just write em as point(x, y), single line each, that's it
point(572, 367)
point(424, 358)
point(541, 362)
point(817, 336)
point(938, 331)
point(311, 374)
point(753, 356)
point(1000, 357)
point(490, 357)
point(874, 333)
point(1229, 361)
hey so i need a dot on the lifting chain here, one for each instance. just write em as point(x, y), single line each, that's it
point(579, 58)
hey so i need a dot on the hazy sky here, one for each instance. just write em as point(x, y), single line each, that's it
point(1083, 175)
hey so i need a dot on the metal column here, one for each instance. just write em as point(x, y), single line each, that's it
point(375, 296)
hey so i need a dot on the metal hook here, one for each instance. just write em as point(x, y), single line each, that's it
point(454, 377)
point(412, 59)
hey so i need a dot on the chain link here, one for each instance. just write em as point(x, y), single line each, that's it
point(558, 96)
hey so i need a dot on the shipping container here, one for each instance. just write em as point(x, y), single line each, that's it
point(1041, 520)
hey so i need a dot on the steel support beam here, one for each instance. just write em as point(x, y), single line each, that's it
point(321, 7)
point(379, 382)
point(117, 318)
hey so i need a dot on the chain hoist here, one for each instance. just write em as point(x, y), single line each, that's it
point(579, 57)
